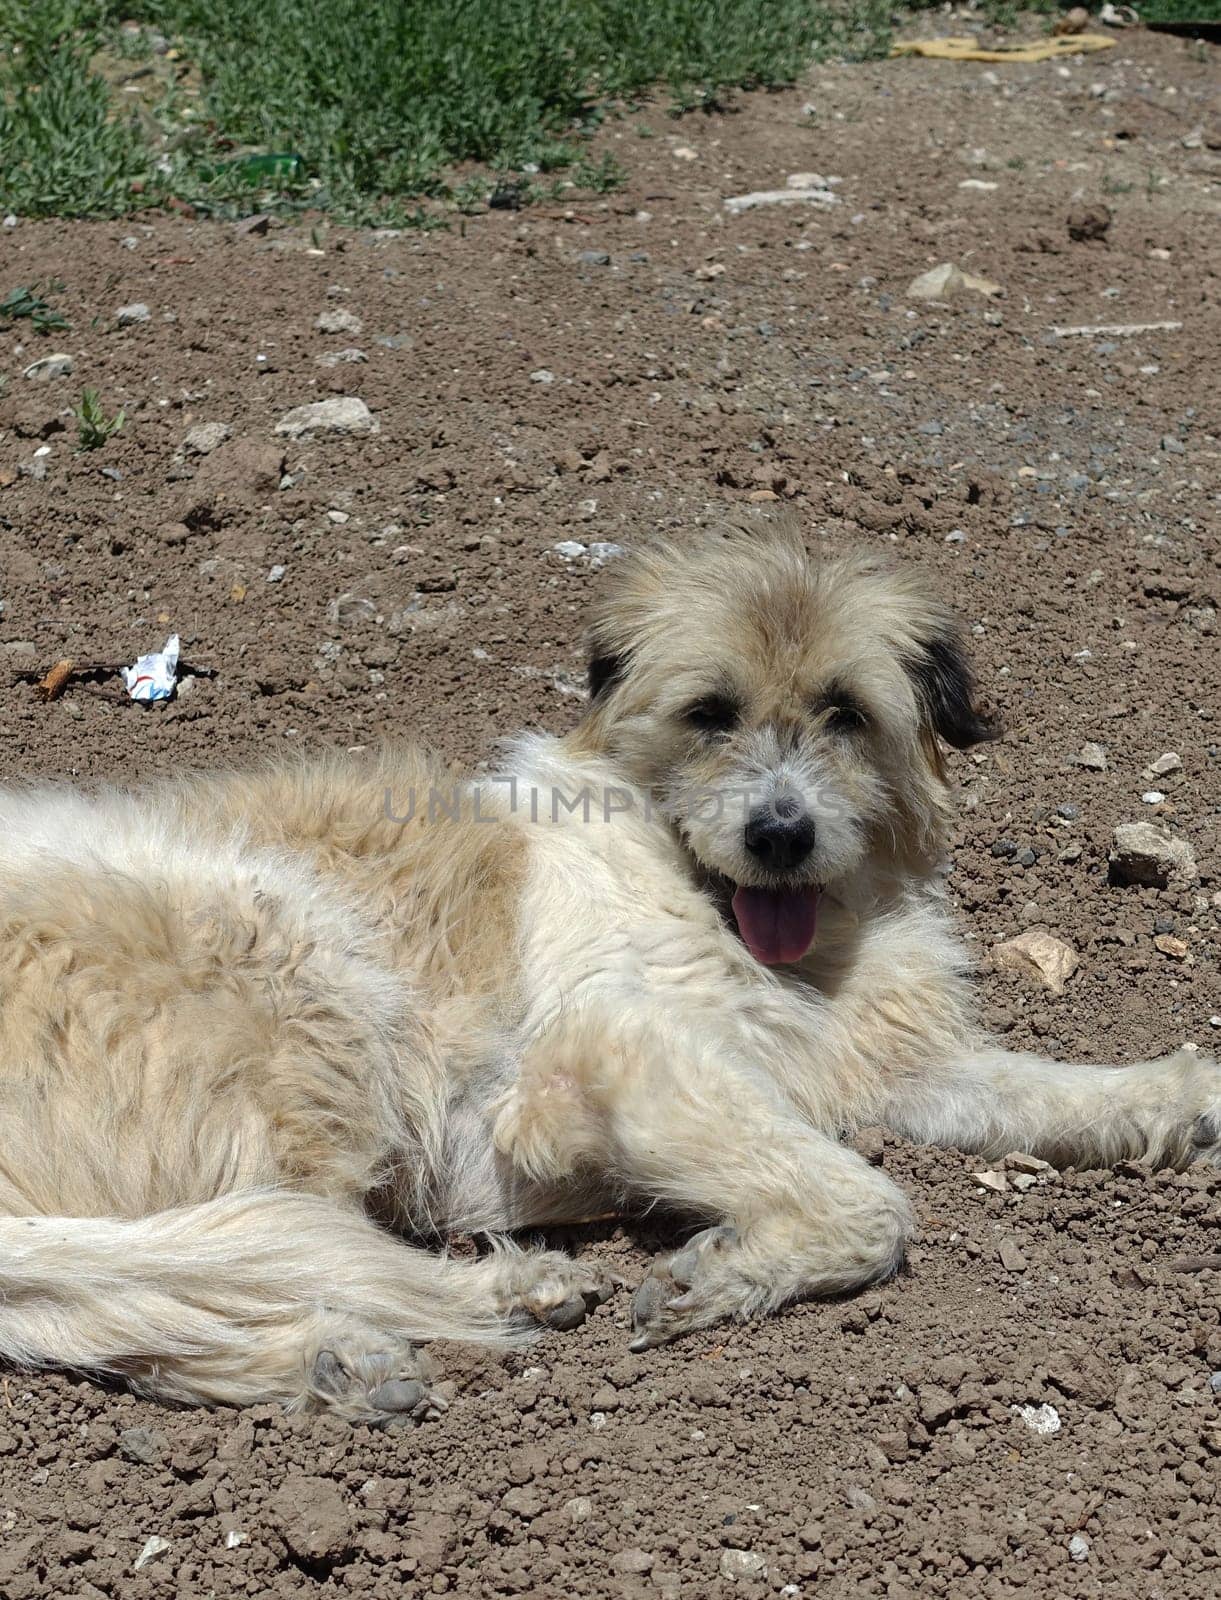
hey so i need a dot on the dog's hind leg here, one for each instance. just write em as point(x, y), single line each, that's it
point(991, 1101)
point(262, 1297)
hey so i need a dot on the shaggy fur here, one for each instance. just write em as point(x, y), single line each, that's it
point(254, 1026)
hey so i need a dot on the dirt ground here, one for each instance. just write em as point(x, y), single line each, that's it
point(1039, 1425)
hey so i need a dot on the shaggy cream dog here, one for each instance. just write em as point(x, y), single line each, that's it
point(256, 1028)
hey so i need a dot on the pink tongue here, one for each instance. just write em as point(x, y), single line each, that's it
point(777, 925)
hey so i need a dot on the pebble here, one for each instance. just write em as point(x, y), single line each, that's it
point(1165, 764)
point(337, 320)
point(125, 316)
point(632, 1560)
point(932, 428)
point(996, 1181)
point(275, 574)
point(154, 1547)
point(1020, 1161)
point(570, 549)
point(341, 358)
point(1078, 1547)
point(1093, 757)
point(542, 375)
point(204, 437)
point(594, 258)
point(58, 365)
point(1040, 1419)
point(1173, 446)
point(345, 415)
point(145, 1445)
point(1010, 1257)
point(1172, 946)
point(1069, 812)
point(746, 1565)
point(1153, 797)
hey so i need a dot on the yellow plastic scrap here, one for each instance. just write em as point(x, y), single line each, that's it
point(966, 48)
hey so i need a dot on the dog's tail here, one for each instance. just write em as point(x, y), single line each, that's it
point(230, 1301)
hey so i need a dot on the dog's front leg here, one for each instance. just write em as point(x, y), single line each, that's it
point(794, 1213)
point(992, 1101)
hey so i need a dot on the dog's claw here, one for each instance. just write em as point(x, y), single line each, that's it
point(565, 1291)
point(377, 1386)
point(669, 1301)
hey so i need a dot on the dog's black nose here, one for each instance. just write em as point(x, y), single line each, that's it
point(777, 839)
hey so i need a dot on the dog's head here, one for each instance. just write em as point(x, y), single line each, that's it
point(784, 710)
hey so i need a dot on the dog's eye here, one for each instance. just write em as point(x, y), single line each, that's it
point(713, 714)
point(845, 716)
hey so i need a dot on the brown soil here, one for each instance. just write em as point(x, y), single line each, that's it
point(868, 1447)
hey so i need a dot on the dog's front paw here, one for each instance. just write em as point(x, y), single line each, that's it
point(690, 1288)
point(555, 1289)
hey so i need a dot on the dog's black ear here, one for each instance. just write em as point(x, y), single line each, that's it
point(606, 669)
point(946, 687)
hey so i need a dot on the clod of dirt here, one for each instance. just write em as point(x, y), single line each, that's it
point(1088, 222)
point(313, 1520)
point(1143, 854)
point(1038, 954)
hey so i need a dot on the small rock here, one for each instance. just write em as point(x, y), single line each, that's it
point(126, 316)
point(1019, 1161)
point(45, 368)
point(1153, 797)
point(1039, 1419)
point(996, 1181)
point(579, 1508)
point(1164, 765)
point(1092, 757)
point(1010, 1257)
point(1022, 1181)
point(204, 437)
point(341, 358)
point(337, 320)
point(1078, 1548)
point(1088, 222)
point(632, 1560)
point(154, 1547)
point(745, 1565)
point(1075, 21)
point(570, 549)
point(1170, 945)
point(348, 609)
point(248, 227)
point(344, 415)
point(145, 1445)
point(736, 204)
point(594, 258)
point(938, 283)
point(1173, 446)
point(542, 375)
point(1145, 855)
point(1068, 812)
point(1038, 953)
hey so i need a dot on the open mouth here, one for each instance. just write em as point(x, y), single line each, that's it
point(777, 925)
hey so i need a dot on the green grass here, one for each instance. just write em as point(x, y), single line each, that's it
point(378, 101)
point(93, 426)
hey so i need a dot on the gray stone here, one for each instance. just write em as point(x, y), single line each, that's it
point(338, 320)
point(125, 316)
point(58, 365)
point(1146, 855)
point(746, 1566)
point(344, 415)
